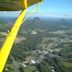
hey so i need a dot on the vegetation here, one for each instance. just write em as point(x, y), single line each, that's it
point(48, 49)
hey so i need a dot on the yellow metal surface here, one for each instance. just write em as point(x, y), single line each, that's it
point(25, 3)
point(5, 50)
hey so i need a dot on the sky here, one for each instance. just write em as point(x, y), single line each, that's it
point(53, 8)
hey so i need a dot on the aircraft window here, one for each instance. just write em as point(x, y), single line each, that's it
point(40, 37)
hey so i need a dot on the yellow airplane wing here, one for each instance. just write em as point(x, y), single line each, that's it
point(15, 5)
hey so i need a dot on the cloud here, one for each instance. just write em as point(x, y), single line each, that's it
point(9, 13)
point(34, 14)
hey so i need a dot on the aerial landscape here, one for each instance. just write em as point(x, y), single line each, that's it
point(35, 36)
point(42, 45)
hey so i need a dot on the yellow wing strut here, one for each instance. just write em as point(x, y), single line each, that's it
point(5, 50)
